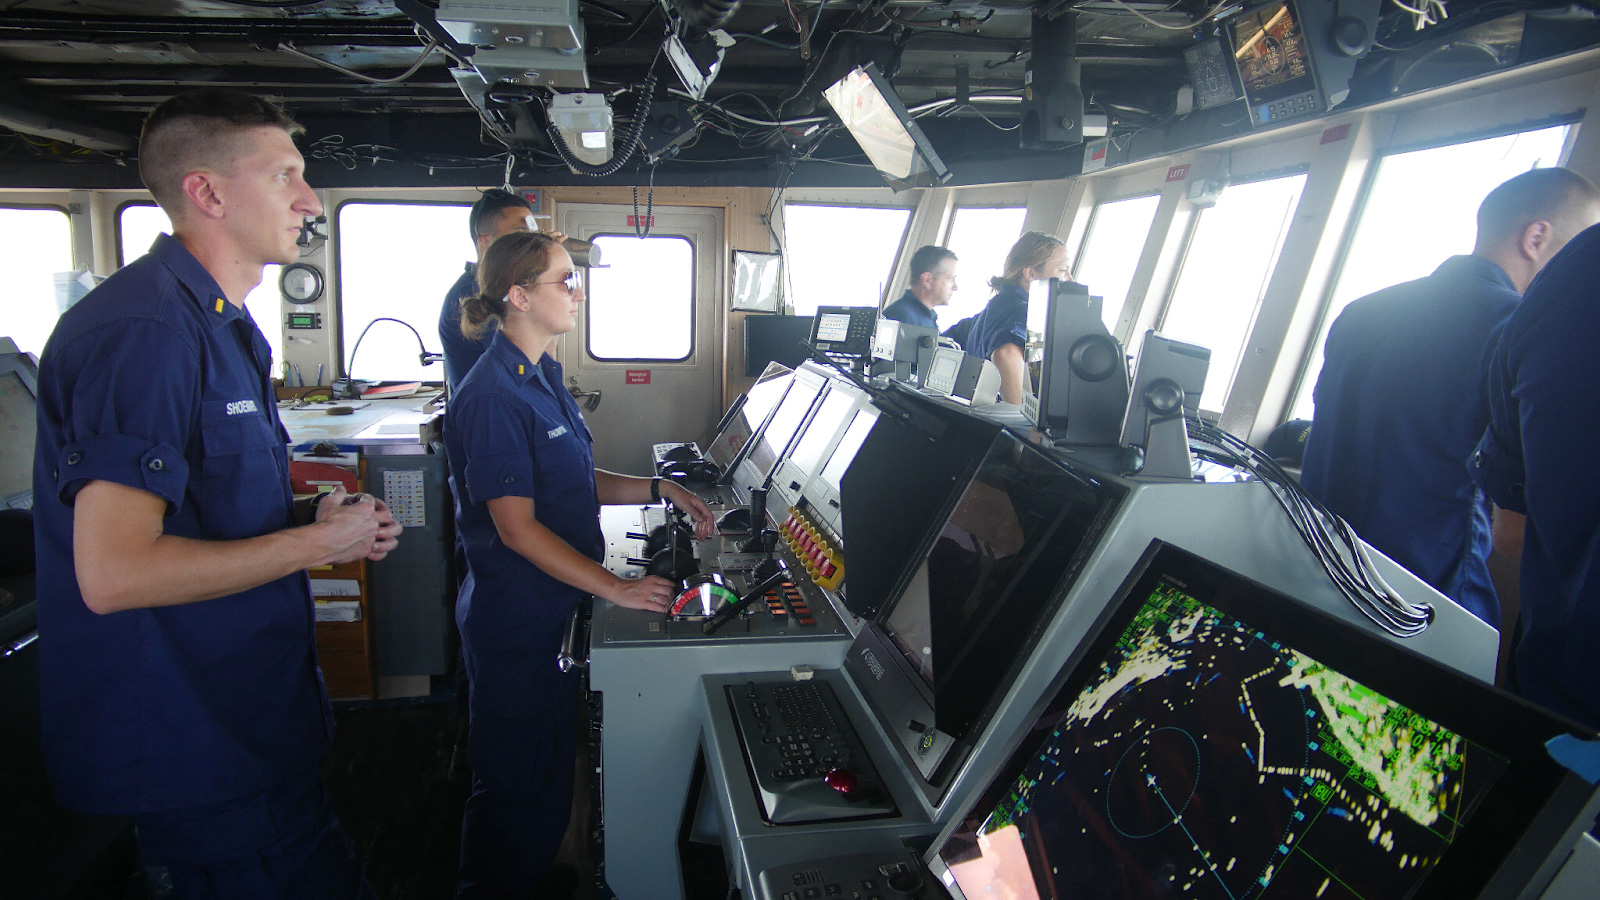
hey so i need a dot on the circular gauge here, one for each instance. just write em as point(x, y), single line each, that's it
point(702, 595)
point(301, 283)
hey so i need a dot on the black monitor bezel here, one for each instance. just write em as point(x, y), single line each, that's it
point(1484, 859)
point(935, 172)
point(1255, 98)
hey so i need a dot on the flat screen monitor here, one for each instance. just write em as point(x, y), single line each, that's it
point(785, 421)
point(821, 430)
point(740, 435)
point(873, 114)
point(854, 436)
point(18, 429)
point(1012, 544)
point(775, 339)
point(1213, 738)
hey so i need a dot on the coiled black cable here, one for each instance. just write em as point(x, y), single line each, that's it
point(641, 114)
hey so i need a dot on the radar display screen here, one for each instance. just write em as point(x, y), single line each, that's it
point(1199, 753)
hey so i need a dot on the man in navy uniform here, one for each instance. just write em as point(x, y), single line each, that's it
point(178, 673)
point(498, 212)
point(933, 280)
point(1534, 459)
point(1400, 402)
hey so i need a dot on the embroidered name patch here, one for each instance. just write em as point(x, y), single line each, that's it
point(240, 407)
point(556, 432)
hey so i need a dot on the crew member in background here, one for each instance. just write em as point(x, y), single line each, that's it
point(1534, 460)
point(1400, 403)
point(528, 510)
point(933, 280)
point(178, 677)
point(1000, 333)
point(496, 213)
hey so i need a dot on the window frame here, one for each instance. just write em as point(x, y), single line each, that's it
point(122, 255)
point(1191, 229)
point(72, 248)
point(900, 254)
point(1347, 238)
point(1088, 232)
point(336, 263)
point(694, 308)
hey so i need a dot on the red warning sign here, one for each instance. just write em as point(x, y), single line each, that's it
point(638, 376)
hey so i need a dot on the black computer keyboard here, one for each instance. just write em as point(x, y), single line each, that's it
point(805, 760)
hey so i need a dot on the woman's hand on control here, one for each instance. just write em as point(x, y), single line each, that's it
point(652, 593)
point(684, 499)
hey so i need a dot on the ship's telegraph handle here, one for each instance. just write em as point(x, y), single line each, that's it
point(702, 596)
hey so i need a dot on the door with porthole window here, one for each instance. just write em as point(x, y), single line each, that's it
point(646, 353)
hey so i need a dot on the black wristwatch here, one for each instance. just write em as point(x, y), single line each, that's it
point(655, 490)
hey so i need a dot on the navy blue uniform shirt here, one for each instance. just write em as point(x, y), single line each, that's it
point(1400, 404)
point(910, 310)
point(1536, 458)
point(156, 382)
point(460, 351)
point(1003, 321)
point(513, 431)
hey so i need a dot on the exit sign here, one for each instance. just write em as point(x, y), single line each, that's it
point(646, 221)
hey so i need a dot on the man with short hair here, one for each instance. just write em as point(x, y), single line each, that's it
point(1400, 403)
point(498, 212)
point(933, 280)
point(178, 673)
point(1534, 461)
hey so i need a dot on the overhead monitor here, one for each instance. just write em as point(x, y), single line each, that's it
point(1295, 59)
point(872, 112)
point(1213, 738)
point(18, 429)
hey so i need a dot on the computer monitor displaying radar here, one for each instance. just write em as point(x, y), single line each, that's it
point(1216, 739)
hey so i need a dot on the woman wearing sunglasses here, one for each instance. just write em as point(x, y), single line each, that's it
point(528, 510)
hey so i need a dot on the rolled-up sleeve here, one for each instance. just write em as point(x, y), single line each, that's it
point(130, 412)
point(494, 435)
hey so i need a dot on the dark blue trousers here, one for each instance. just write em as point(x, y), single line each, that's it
point(281, 844)
point(522, 745)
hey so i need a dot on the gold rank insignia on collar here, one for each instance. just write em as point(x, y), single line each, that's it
point(219, 305)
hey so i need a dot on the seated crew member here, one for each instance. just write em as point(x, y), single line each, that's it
point(1400, 402)
point(933, 280)
point(497, 212)
point(1000, 333)
point(178, 677)
point(529, 514)
point(1533, 460)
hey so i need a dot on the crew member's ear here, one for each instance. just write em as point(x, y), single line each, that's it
point(1538, 239)
point(200, 190)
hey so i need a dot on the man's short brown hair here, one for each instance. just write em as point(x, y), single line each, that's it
point(198, 130)
point(1555, 195)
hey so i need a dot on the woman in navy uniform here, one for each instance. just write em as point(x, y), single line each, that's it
point(1000, 333)
point(528, 510)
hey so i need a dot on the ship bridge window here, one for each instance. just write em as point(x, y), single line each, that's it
point(1420, 209)
point(839, 255)
point(35, 244)
point(1116, 237)
point(641, 305)
point(1232, 251)
point(138, 224)
point(396, 260)
point(980, 237)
